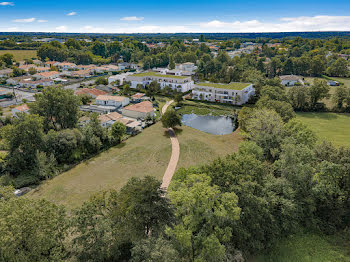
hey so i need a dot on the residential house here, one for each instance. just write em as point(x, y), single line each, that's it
point(51, 63)
point(35, 83)
point(6, 72)
point(16, 80)
point(108, 120)
point(20, 109)
point(38, 62)
point(187, 67)
point(179, 83)
point(232, 93)
point(65, 66)
point(42, 69)
point(123, 65)
point(81, 73)
point(118, 78)
point(92, 92)
point(114, 101)
point(27, 67)
point(138, 97)
point(47, 75)
point(140, 110)
point(291, 80)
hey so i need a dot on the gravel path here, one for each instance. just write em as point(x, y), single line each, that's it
point(174, 154)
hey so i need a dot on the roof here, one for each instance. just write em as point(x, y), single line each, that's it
point(124, 121)
point(6, 71)
point(51, 62)
point(67, 64)
point(233, 85)
point(48, 74)
point(81, 72)
point(114, 98)
point(22, 108)
point(39, 81)
point(291, 77)
point(92, 91)
point(138, 95)
point(158, 75)
point(144, 107)
point(114, 116)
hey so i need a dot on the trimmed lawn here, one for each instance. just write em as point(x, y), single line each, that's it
point(332, 127)
point(308, 248)
point(145, 154)
point(206, 108)
point(20, 55)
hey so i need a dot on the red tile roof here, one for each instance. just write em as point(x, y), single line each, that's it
point(144, 107)
point(92, 91)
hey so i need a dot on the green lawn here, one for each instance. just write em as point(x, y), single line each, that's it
point(206, 108)
point(308, 248)
point(145, 154)
point(332, 127)
point(232, 86)
point(20, 55)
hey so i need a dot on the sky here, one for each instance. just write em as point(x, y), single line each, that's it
point(180, 16)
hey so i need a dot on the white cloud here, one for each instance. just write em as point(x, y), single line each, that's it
point(286, 24)
point(12, 29)
point(7, 3)
point(62, 28)
point(26, 20)
point(92, 29)
point(72, 13)
point(132, 18)
point(42, 21)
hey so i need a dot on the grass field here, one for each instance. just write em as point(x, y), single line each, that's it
point(145, 154)
point(203, 108)
point(20, 55)
point(308, 248)
point(332, 127)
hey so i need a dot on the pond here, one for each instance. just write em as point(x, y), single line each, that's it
point(216, 125)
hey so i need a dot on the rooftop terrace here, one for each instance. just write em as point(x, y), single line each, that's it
point(233, 85)
point(158, 75)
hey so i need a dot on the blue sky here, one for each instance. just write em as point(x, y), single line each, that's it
point(174, 16)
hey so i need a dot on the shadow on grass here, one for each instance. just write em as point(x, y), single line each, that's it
point(178, 131)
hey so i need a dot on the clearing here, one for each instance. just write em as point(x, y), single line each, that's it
point(333, 127)
point(20, 55)
point(145, 154)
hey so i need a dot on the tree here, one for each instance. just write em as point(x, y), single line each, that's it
point(178, 98)
point(265, 128)
point(338, 68)
point(106, 226)
point(170, 119)
point(32, 230)
point(17, 72)
point(101, 81)
point(319, 90)
point(284, 109)
point(32, 71)
point(203, 212)
point(58, 107)
point(318, 65)
point(24, 138)
point(298, 97)
point(339, 96)
point(118, 130)
point(7, 59)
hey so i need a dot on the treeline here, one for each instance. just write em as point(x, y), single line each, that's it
point(41, 144)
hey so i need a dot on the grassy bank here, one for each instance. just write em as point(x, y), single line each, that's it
point(145, 154)
point(20, 55)
point(205, 108)
point(308, 248)
point(331, 127)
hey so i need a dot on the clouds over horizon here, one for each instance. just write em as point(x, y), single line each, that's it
point(284, 24)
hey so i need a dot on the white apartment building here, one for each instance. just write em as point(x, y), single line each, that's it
point(232, 93)
point(187, 67)
point(180, 83)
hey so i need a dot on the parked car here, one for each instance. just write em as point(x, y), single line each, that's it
point(22, 191)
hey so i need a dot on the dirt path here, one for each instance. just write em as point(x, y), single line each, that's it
point(174, 154)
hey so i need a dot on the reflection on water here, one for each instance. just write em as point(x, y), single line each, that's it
point(216, 125)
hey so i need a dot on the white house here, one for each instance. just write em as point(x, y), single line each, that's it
point(180, 83)
point(232, 93)
point(109, 119)
point(186, 67)
point(291, 80)
point(140, 110)
point(116, 101)
point(123, 65)
point(20, 109)
point(35, 83)
point(120, 77)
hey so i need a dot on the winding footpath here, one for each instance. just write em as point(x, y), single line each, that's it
point(169, 172)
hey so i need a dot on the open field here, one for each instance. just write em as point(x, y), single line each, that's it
point(308, 248)
point(145, 154)
point(332, 127)
point(20, 55)
point(206, 108)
